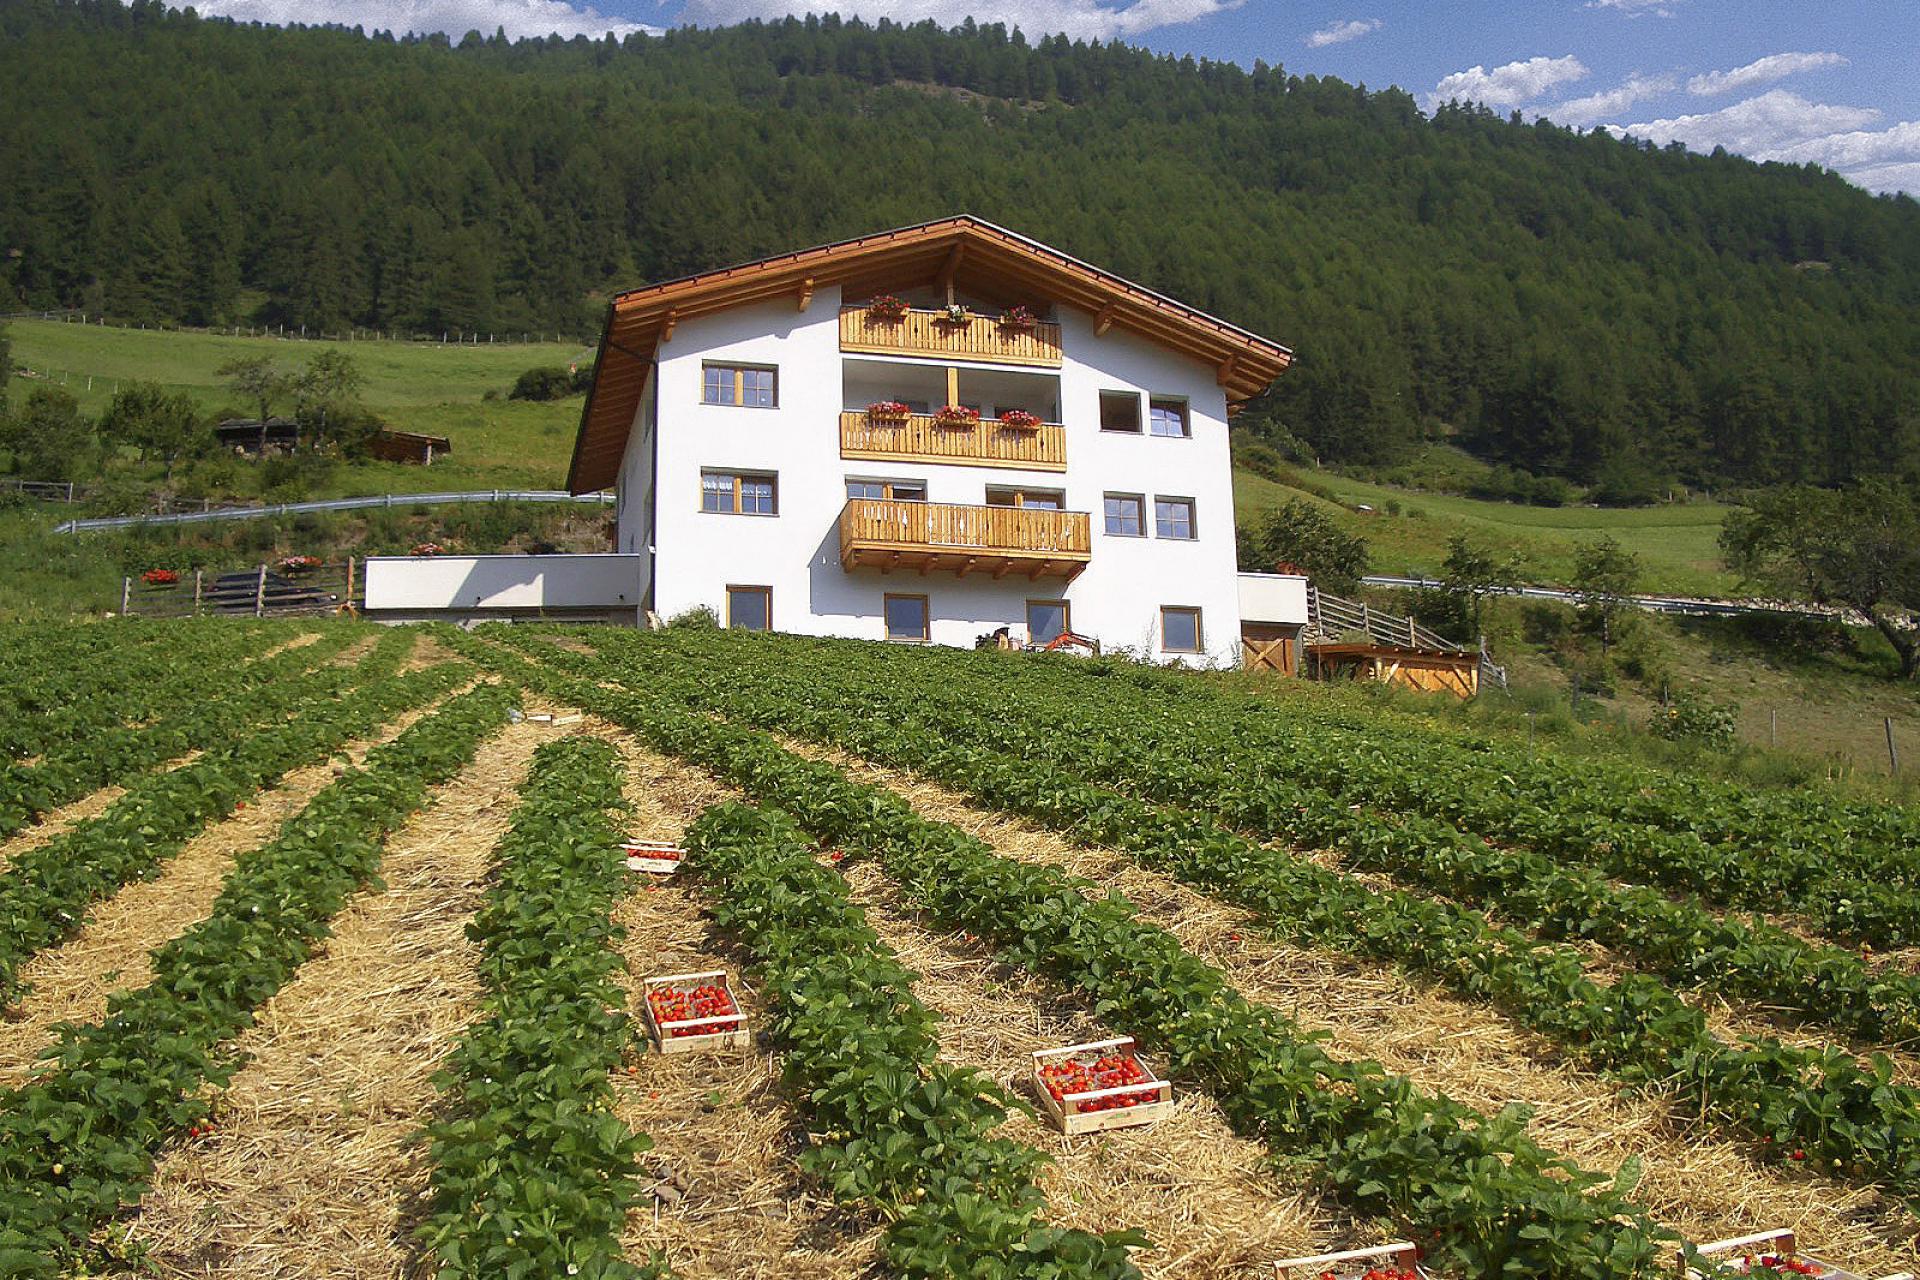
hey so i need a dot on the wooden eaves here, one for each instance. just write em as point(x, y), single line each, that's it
point(985, 260)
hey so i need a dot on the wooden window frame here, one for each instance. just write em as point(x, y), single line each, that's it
point(739, 372)
point(1066, 616)
point(886, 488)
point(926, 618)
point(1139, 514)
point(1020, 493)
point(1199, 629)
point(1170, 402)
point(1139, 426)
point(1193, 519)
point(771, 477)
point(766, 593)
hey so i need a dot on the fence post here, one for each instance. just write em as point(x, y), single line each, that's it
point(196, 591)
point(349, 600)
point(1893, 752)
point(1366, 620)
point(126, 595)
point(1413, 641)
point(260, 593)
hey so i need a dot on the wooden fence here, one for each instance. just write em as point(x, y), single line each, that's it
point(262, 591)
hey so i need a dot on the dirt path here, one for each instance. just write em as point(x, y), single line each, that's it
point(56, 821)
point(71, 982)
point(1704, 1186)
point(314, 1170)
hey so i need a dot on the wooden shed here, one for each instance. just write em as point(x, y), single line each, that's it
point(407, 446)
point(1430, 670)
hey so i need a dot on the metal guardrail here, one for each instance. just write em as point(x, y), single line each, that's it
point(338, 504)
point(1693, 605)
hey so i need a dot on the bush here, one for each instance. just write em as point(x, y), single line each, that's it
point(551, 383)
point(1692, 717)
point(698, 618)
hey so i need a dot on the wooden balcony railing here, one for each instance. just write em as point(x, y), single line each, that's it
point(923, 333)
point(986, 443)
point(884, 534)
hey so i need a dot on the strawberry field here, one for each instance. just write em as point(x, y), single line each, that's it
point(604, 953)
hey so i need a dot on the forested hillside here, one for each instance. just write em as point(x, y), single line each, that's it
point(1566, 303)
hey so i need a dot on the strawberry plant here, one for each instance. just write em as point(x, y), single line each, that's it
point(532, 1173)
point(78, 1142)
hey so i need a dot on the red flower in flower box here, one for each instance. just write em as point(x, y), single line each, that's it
point(1020, 420)
point(887, 411)
point(427, 549)
point(160, 577)
point(955, 415)
point(887, 307)
point(300, 564)
point(1018, 319)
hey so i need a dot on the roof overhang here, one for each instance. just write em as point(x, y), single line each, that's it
point(978, 257)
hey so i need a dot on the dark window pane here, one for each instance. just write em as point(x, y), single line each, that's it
point(906, 618)
point(1119, 411)
point(1046, 620)
point(1180, 630)
point(747, 608)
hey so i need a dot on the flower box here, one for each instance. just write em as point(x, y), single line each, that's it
point(1397, 1261)
point(1768, 1253)
point(428, 549)
point(956, 415)
point(1104, 1084)
point(887, 411)
point(1018, 320)
point(657, 857)
point(953, 316)
point(1020, 420)
point(887, 309)
point(299, 564)
point(687, 1012)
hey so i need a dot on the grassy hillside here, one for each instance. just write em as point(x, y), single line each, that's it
point(425, 387)
point(1677, 543)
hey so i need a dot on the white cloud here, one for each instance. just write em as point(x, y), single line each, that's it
point(1778, 125)
point(1596, 107)
point(1341, 32)
point(519, 18)
point(1509, 85)
point(1636, 8)
point(1777, 66)
point(1082, 19)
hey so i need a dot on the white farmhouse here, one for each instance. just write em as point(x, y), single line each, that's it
point(927, 435)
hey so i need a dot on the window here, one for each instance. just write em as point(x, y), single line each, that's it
point(1120, 411)
point(1124, 515)
point(906, 618)
point(750, 608)
point(739, 493)
point(897, 490)
point(1047, 620)
point(1179, 629)
point(741, 384)
point(1168, 418)
point(1042, 499)
point(1173, 518)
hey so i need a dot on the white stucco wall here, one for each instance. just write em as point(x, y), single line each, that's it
point(1117, 599)
point(1274, 598)
point(463, 583)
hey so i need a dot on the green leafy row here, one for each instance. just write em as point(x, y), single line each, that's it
point(532, 1173)
point(895, 1127)
point(1118, 741)
point(1854, 1120)
point(45, 894)
point(223, 702)
point(1491, 1201)
point(69, 681)
point(78, 1142)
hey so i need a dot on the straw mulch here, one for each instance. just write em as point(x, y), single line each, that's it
point(54, 821)
point(1207, 1199)
point(300, 641)
point(1702, 1185)
point(71, 982)
point(727, 1196)
point(428, 652)
point(315, 1169)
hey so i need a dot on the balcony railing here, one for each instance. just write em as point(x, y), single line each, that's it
point(885, 534)
point(987, 443)
point(925, 333)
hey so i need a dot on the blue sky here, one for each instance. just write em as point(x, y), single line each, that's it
point(1834, 82)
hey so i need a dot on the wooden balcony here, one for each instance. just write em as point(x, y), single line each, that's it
point(884, 534)
point(922, 333)
point(987, 443)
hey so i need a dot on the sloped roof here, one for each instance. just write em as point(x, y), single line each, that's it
point(987, 261)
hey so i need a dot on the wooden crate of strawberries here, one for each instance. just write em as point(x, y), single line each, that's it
point(1104, 1084)
point(686, 1012)
point(1771, 1252)
point(1397, 1261)
point(656, 857)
